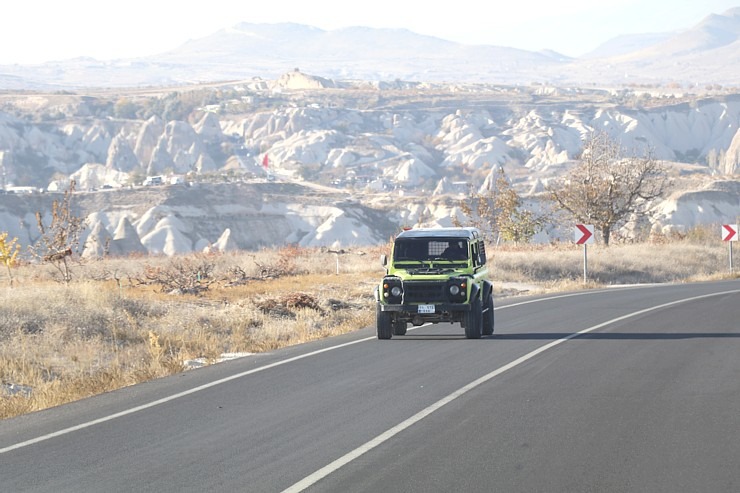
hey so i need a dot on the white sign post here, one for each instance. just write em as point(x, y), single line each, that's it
point(730, 234)
point(584, 234)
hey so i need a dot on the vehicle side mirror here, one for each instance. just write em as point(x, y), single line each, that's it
point(383, 260)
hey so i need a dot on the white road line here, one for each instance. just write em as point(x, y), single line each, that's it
point(111, 417)
point(175, 396)
point(579, 293)
point(387, 435)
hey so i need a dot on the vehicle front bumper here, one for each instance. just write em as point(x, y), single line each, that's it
point(438, 308)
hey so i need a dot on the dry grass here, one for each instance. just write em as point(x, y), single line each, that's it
point(121, 321)
point(662, 262)
point(114, 326)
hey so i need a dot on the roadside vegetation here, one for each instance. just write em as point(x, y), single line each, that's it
point(608, 185)
point(120, 321)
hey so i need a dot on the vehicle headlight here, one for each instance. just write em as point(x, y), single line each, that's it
point(392, 290)
point(457, 289)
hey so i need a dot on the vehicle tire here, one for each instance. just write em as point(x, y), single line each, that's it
point(383, 323)
point(399, 328)
point(472, 319)
point(488, 315)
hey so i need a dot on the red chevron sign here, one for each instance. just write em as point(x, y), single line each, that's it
point(584, 234)
point(729, 232)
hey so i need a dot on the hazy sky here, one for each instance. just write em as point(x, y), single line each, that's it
point(42, 30)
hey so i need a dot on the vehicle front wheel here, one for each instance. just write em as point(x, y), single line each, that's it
point(488, 316)
point(383, 323)
point(472, 319)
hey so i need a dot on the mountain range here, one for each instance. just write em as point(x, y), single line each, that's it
point(706, 53)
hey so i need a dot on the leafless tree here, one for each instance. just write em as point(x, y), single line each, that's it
point(60, 238)
point(607, 186)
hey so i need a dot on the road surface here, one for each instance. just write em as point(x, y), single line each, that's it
point(629, 389)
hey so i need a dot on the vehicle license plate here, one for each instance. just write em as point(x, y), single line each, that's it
point(426, 309)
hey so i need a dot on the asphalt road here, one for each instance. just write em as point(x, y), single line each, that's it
point(618, 390)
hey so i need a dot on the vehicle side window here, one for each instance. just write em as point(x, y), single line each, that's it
point(482, 251)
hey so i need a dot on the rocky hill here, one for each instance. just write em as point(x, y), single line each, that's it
point(305, 159)
point(178, 219)
point(405, 135)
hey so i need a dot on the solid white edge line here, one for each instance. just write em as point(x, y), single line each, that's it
point(175, 396)
point(387, 435)
point(132, 410)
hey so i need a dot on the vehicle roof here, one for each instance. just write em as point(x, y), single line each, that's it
point(463, 233)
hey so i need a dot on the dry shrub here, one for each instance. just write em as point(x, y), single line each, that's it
point(292, 301)
point(182, 275)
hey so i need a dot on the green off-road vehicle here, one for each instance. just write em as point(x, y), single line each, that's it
point(435, 275)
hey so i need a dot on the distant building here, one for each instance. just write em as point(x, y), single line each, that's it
point(22, 190)
point(153, 181)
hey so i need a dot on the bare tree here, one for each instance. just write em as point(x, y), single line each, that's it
point(61, 237)
point(607, 186)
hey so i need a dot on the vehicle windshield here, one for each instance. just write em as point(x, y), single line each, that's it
point(424, 249)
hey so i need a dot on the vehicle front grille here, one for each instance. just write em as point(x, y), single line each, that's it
point(424, 292)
